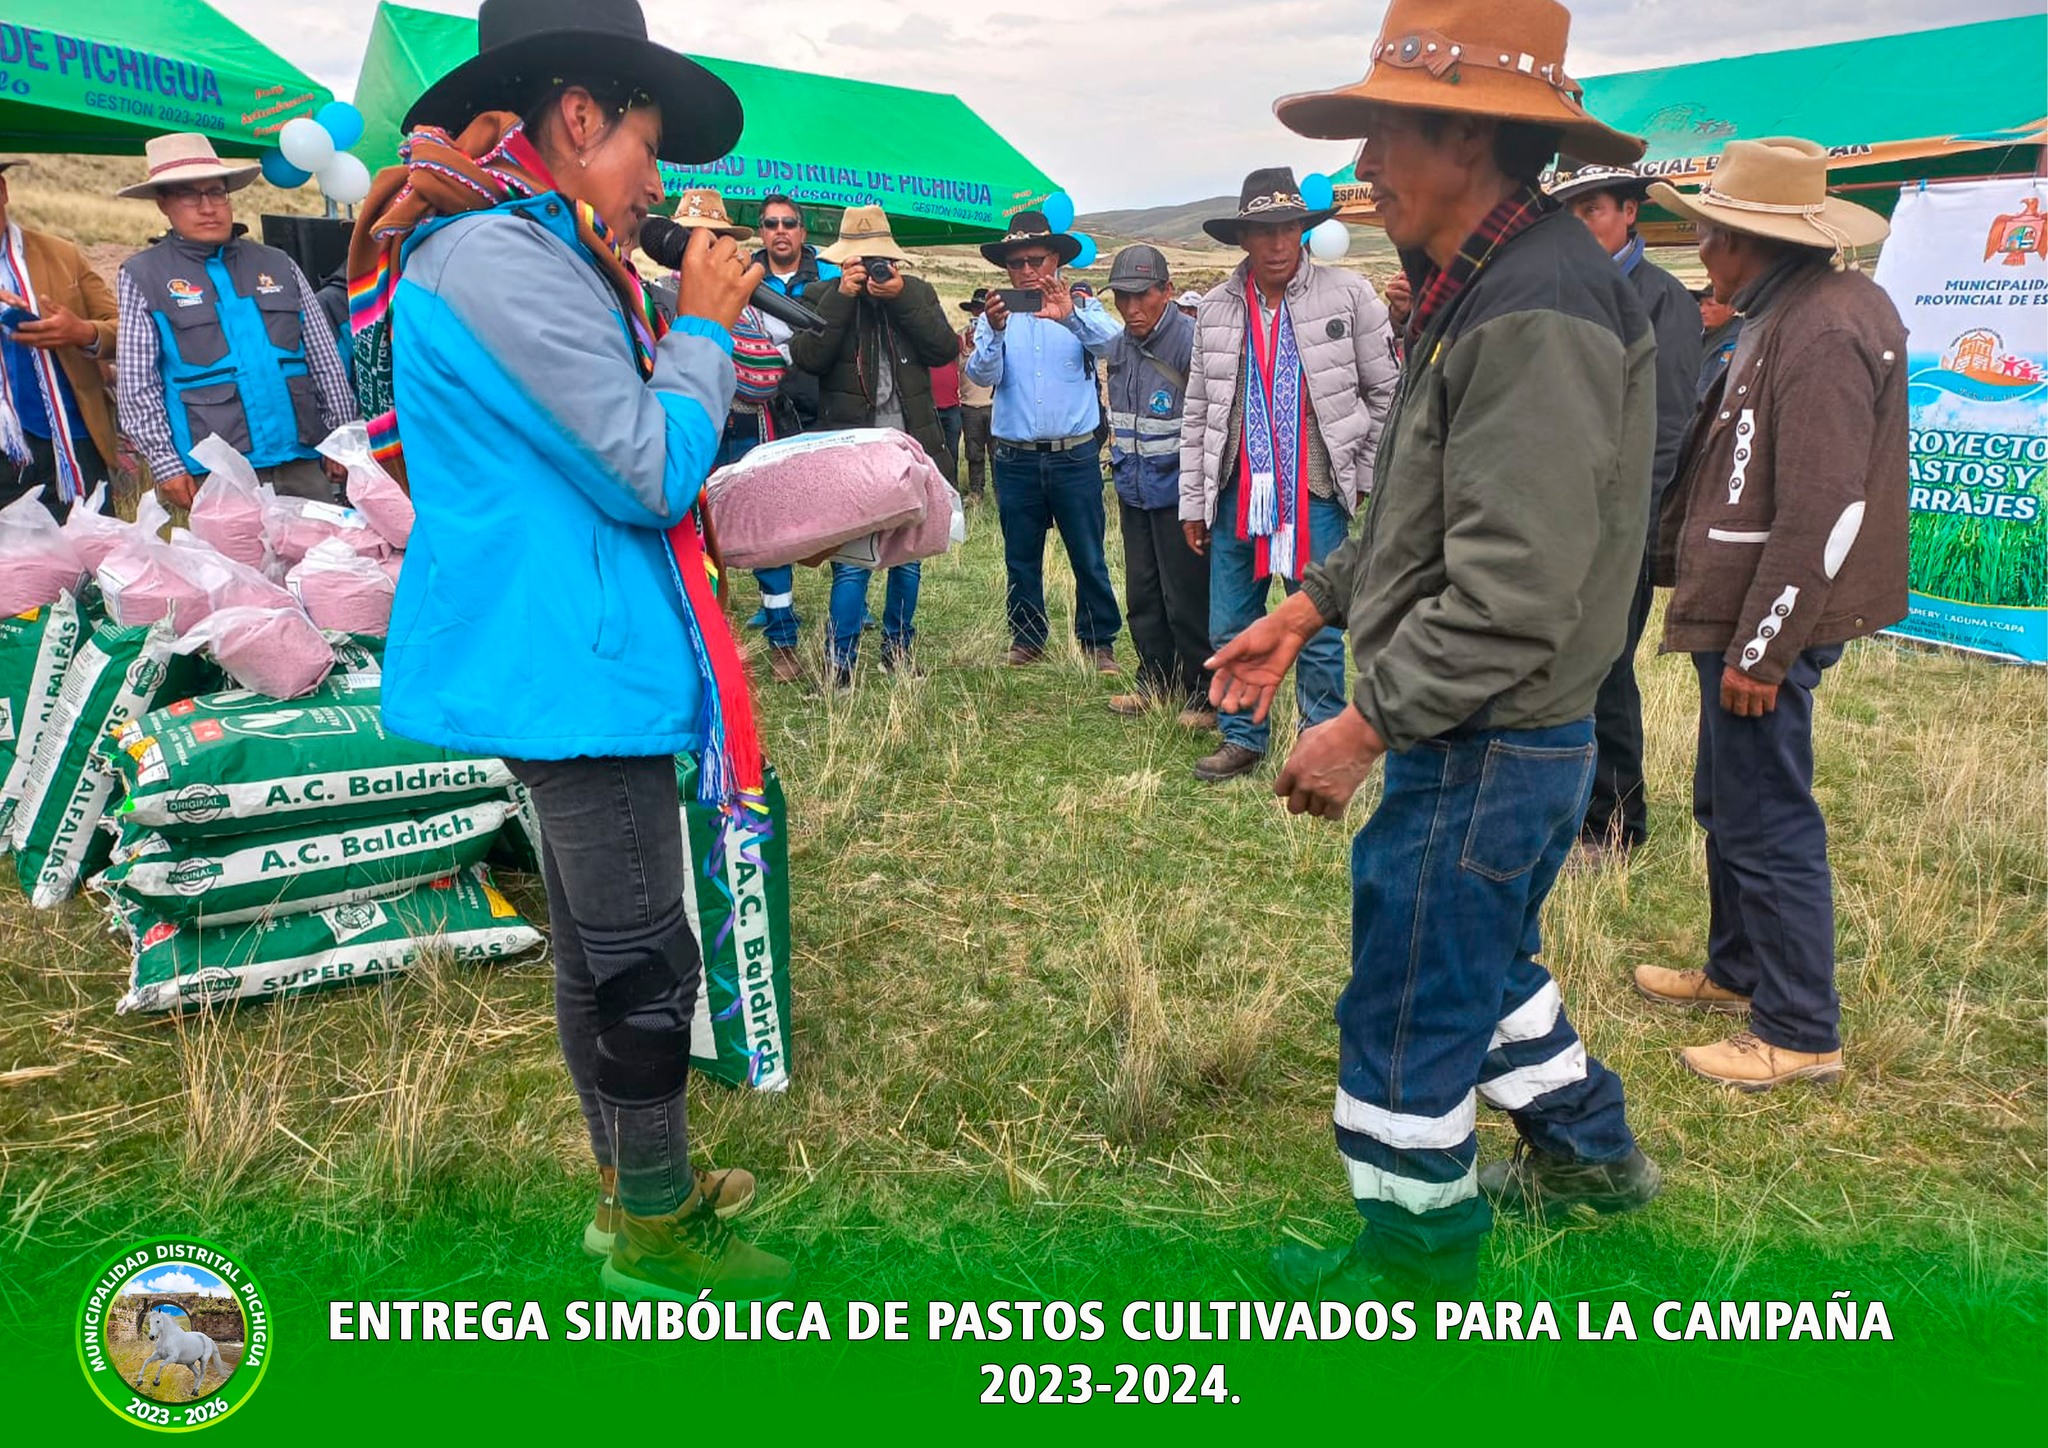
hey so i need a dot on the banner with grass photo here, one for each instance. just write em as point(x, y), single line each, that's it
point(1967, 267)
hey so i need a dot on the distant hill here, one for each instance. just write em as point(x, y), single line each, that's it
point(1165, 225)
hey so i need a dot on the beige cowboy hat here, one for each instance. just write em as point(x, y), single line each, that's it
point(1497, 58)
point(182, 158)
point(864, 231)
point(703, 209)
point(1776, 188)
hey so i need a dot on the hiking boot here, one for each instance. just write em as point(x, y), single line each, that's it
point(728, 1191)
point(1228, 762)
point(1023, 654)
point(1103, 657)
point(1341, 1274)
point(1688, 989)
point(1196, 718)
point(785, 665)
point(1749, 1064)
point(1132, 706)
point(1541, 1185)
point(680, 1255)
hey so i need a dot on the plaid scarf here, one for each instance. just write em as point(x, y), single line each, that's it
point(490, 163)
point(1440, 287)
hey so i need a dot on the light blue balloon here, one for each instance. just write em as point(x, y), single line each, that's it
point(282, 173)
point(1085, 257)
point(1059, 211)
point(341, 121)
point(1317, 193)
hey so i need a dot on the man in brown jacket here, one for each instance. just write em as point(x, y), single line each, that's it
point(56, 426)
point(1784, 538)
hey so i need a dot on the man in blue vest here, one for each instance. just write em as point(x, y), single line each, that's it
point(220, 334)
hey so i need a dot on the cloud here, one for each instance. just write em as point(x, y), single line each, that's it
point(179, 1279)
point(1139, 102)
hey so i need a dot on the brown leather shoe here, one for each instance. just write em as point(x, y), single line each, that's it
point(1689, 989)
point(1020, 655)
point(785, 664)
point(690, 1250)
point(1228, 762)
point(729, 1192)
point(1104, 659)
point(1197, 719)
point(1748, 1064)
point(1132, 706)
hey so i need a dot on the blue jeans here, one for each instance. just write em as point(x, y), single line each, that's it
point(1036, 491)
point(1447, 1003)
point(1237, 601)
point(850, 610)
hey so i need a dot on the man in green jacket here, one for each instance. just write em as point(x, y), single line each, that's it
point(1486, 594)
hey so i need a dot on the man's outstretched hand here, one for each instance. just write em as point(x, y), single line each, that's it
point(1328, 763)
point(1250, 667)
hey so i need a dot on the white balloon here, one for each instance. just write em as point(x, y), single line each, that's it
point(306, 144)
point(1329, 241)
point(345, 180)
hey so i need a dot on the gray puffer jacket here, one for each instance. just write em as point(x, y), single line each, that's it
point(1347, 351)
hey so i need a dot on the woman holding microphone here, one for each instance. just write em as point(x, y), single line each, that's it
point(556, 608)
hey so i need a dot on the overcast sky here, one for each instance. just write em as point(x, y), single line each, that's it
point(1138, 102)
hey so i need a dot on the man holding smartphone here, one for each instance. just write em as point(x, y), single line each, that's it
point(1048, 466)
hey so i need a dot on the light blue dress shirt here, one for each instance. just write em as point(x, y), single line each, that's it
point(1039, 370)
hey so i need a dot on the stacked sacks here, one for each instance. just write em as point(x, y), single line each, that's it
point(269, 847)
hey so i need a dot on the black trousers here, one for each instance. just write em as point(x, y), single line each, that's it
point(1772, 931)
point(976, 421)
point(949, 433)
point(40, 471)
point(1616, 814)
point(1166, 595)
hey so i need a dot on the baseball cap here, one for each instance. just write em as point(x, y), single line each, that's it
point(1137, 269)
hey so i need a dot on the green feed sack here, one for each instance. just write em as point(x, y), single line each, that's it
point(235, 763)
point(118, 673)
point(35, 648)
point(310, 867)
point(518, 846)
point(738, 901)
point(179, 964)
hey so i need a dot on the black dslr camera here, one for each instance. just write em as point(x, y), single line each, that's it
point(879, 268)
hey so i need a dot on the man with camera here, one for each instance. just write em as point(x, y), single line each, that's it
point(884, 332)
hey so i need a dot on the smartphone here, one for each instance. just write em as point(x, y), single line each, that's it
point(1021, 299)
point(14, 317)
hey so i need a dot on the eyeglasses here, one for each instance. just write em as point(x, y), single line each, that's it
point(781, 223)
point(196, 195)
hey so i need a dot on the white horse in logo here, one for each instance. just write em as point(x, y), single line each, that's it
point(177, 1346)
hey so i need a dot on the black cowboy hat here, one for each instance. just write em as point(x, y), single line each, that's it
point(525, 47)
point(976, 303)
point(1577, 178)
point(1032, 226)
point(1270, 197)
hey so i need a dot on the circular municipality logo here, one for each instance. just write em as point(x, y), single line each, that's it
point(174, 1334)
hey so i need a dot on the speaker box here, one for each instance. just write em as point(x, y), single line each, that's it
point(317, 244)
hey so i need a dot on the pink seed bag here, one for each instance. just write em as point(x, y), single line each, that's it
point(38, 563)
point(228, 512)
point(793, 499)
point(343, 590)
point(273, 651)
point(371, 491)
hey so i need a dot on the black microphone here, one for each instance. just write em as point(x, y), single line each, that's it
point(664, 242)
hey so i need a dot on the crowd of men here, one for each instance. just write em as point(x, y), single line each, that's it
point(1482, 474)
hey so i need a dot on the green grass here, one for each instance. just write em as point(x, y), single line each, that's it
point(1979, 560)
point(1063, 1016)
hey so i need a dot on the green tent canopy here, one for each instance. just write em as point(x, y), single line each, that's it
point(103, 76)
point(941, 172)
point(1967, 100)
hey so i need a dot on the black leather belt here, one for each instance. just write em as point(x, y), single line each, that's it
point(1058, 444)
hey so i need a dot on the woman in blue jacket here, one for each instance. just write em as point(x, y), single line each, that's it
point(553, 436)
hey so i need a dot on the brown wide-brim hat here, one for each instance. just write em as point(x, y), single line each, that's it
point(181, 159)
point(702, 209)
point(863, 232)
point(1031, 226)
point(1503, 59)
point(1776, 188)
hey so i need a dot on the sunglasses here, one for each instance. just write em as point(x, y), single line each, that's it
point(1036, 262)
point(781, 223)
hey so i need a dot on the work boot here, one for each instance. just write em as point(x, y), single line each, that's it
point(1023, 654)
point(1196, 717)
point(728, 1191)
point(680, 1255)
point(785, 664)
point(1749, 1064)
point(1541, 1185)
point(1342, 1274)
point(1103, 657)
point(1228, 762)
point(1132, 706)
point(1689, 989)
